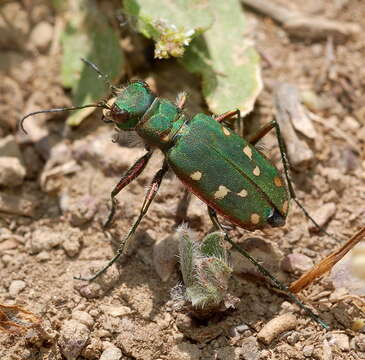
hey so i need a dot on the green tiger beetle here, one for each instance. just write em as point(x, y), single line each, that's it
point(224, 170)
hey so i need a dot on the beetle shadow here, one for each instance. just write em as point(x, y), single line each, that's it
point(132, 279)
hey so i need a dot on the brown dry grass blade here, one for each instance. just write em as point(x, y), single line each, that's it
point(326, 264)
point(15, 319)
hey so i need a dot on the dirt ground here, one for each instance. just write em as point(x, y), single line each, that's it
point(50, 220)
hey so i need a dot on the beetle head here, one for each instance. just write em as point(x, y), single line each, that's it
point(130, 105)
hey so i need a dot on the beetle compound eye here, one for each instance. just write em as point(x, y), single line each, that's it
point(275, 219)
point(118, 115)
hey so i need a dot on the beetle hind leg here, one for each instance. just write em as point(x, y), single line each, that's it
point(276, 283)
point(253, 139)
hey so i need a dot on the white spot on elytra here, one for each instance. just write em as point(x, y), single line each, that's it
point(221, 192)
point(197, 175)
point(247, 150)
point(243, 193)
point(226, 131)
point(256, 171)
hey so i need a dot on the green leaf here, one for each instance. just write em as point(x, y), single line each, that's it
point(171, 24)
point(227, 60)
point(88, 35)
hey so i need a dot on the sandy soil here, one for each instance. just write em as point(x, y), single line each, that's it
point(50, 221)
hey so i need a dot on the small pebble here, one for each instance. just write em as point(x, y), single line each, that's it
point(17, 204)
point(185, 351)
point(297, 262)
point(73, 338)
point(341, 341)
point(308, 350)
point(111, 353)
point(266, 252)
point(41, 35)
point(80, 210)
point(293, 338)
point(250, 348)
point(94, 312)
point(350, 123)
point(72, 242)
point(10, 148)
point(116, 310)
point(335, 178)
point(93, 349)
point(83, 317)
point(6, 259)
point(43, 256)
point(360, 342)
point(327, 350)
point(322, 215)
point(12, 172)
point(196, 210)
point(239, 329)
point(44, 239)
point(165, 256)
point(16, 287)
point(106, 281)
point(349, 273)
point(8, 245)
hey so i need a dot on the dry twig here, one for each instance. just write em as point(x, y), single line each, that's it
point(327, 263)
point(303, 25)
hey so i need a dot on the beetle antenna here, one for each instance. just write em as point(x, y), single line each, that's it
point(99, 72)
point(21, 122)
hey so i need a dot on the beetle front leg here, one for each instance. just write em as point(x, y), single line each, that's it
point(228, 115)
point(151, 193)
point(275, 282)
point(128, 177)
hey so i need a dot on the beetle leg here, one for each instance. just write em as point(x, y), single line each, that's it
point(228, 115)
point(151, 193)
point(275, 282)
point(253, 139)
point(128, 177)
point(214, 218)
point(273, 124)
point(286, 164)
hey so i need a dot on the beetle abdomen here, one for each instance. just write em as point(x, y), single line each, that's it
point(229, 174)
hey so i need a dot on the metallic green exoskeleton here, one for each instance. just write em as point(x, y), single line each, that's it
point(224, 170)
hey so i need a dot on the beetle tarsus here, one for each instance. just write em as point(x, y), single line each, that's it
point(276, 283)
